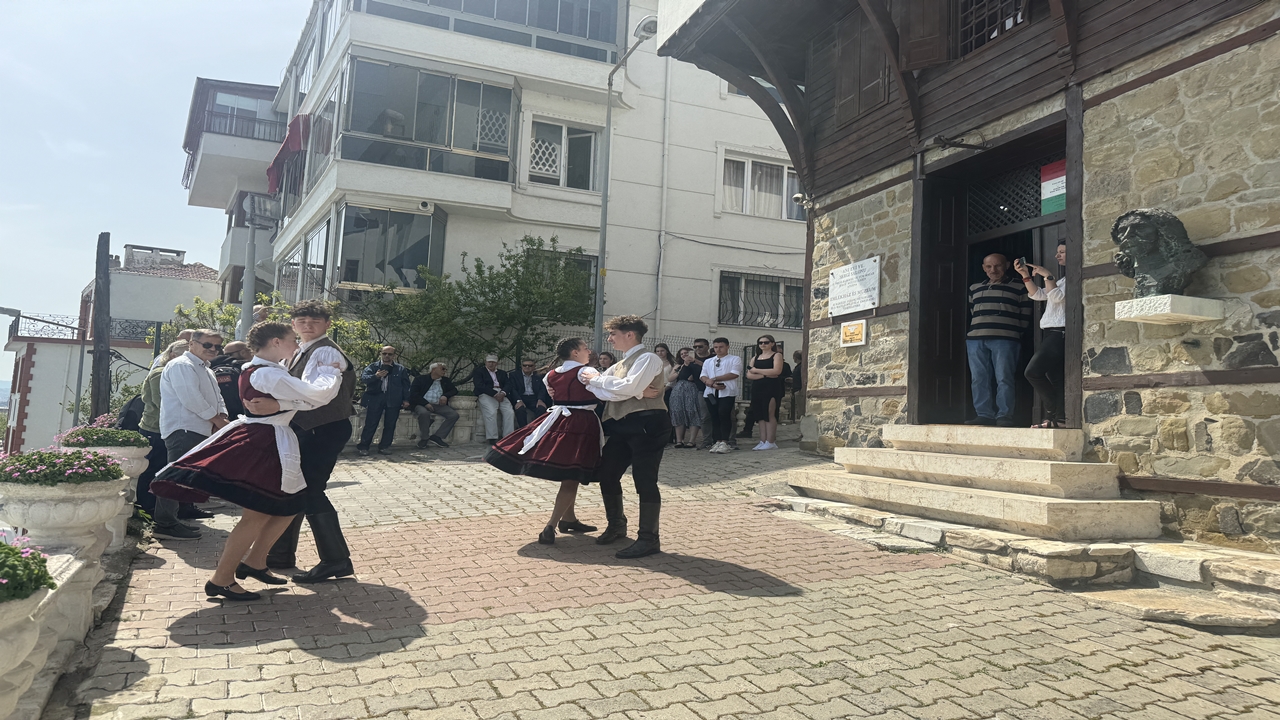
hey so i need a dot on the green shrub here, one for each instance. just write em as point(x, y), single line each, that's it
point(50, 467)
point(103, 437)
point(23, 570)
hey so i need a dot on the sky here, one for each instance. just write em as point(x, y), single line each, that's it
point(96, 95)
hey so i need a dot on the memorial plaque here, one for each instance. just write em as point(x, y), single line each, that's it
point(854, 288)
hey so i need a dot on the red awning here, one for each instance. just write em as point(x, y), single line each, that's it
point(295, 141)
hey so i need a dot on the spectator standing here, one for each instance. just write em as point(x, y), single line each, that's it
point(765, 375)
point(191, 409)
point(185, 336)
point(528, 392)
point(999, 312)
point(702, 353)
point(488, 383)
point(686, 400)
point(671, 370)
point(429, 397)
point(386, 393)
point(720, 375)
point(149, 425)
point(1045, 369)
point(607, 360)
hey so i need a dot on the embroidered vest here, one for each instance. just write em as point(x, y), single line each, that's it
point(618, 409)
point(339, 408)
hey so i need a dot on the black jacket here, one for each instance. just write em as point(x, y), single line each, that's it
point(515, 388)
point(226, 370)
point(482, 383)
point(397, 384)
point(422, 383)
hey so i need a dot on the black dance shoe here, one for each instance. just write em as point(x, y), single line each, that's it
point(225, 591)
point(572, 526)
point(244, 571)
point(547, 536)
point(326, 571)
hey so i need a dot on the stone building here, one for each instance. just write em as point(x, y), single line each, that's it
point(926, 135)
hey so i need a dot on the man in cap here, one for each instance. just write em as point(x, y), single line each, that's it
point(488, 382)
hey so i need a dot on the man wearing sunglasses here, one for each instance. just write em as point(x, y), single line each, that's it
point(191, 409)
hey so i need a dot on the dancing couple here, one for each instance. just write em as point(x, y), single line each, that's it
point(575, 447)
point(275, 461)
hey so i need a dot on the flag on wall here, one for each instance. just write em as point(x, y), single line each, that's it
point(1053, 187)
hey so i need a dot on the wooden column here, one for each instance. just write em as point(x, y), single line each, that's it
point(1074, 365)
point(100, 376)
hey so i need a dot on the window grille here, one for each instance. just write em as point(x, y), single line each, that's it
point(545, 158)
point(1007, 199)
point(981, 21)
point(494, 127)
point(760, 300)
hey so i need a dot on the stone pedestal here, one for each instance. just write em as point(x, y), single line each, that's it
point(1170, 310)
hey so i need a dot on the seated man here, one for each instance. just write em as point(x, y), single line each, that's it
point(999, 312)
point(528, 393)
point(488, 382)
point(428, 399)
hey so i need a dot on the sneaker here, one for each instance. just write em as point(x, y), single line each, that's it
point(362, 452)
point(175, 532)
point(435, 440)
point(720, 447)
point(422, 445)
point(762, 445)
point(769, 446)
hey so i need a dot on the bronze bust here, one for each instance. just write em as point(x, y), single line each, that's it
point(1155, 251)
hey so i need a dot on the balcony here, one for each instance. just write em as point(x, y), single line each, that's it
point(232, 155)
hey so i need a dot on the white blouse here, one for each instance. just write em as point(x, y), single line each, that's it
point(1055, 309)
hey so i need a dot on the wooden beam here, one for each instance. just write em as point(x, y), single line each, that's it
point(866, 391)
point(1066, 14)
point(791, 97)
point(757, 93)
point(1191, 378)
point(1073, 366)
point(877, 12)
point(882, 311)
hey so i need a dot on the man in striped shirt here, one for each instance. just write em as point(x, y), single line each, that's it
point(999, 312)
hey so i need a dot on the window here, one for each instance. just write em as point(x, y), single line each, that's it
point(981, 21)
point(756, 188)
point(860, 68)
point(242, 116)
point(315, 250)
point(408, 108)
point(381, 247)
point(562, 155)
point(287, 274)
point(321, 139)
point(773, 91)
point(795, 211)
point(579, 262)
point(761, 300)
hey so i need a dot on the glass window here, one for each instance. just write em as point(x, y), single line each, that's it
point(761, 300)
point(382, 99)
point(730, 299)
point(580, 159)
point(470, 166)
point(545, 152)
point(766, 190)
point(602, 24)
point(384, 153)
point(544, 14)
point(514, 11)
point(466, 115)
point(493, 32)
point(396, 12)
point(321, 140)
point(449, 4)
point(795, 211)
point(561, 155)
point(432, 125)
point(735, 175)
point(483, 8)
point(382, 247)
point(573, 17)
point(315, 251)
point(287, 275)
point(495, 120)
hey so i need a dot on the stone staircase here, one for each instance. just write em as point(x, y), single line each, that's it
point(1025, 481)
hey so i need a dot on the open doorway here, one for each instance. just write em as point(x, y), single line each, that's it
point(989, 203)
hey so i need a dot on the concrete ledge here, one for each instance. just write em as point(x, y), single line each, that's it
point(1022, 443)
point(1032, 515)
point(1170, 310)
point(1047, 478)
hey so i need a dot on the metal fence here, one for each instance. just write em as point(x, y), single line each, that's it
point(53, 327)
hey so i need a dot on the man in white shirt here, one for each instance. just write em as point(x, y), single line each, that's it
point(638, 427)
point(191, 409)
point(184, 335)
point(720, 374)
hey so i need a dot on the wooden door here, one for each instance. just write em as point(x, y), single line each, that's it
point(940, 307)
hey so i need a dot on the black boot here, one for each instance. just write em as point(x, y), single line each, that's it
point(335, 559)
point(647, 538)
point(284, 554)
point(617, 527)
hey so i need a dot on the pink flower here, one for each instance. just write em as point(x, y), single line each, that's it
point(3, 581)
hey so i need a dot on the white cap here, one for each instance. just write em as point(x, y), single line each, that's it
point(491, 358)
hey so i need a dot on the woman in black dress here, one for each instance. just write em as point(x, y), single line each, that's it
point(765, 375)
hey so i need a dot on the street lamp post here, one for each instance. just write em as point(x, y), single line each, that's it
point(645, 29)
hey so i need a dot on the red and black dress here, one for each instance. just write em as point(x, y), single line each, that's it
point(564, 444)
point(244, 462)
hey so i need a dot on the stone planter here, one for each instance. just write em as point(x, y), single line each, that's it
point(133, 461)
point(18, 632)
point(63, 516)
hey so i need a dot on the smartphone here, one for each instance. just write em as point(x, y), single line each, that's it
point(1023, 260)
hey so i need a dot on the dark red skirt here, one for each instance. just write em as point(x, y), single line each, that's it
point(242, 466)
point(570, 451)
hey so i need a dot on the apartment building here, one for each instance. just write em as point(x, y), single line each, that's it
point(419, 131)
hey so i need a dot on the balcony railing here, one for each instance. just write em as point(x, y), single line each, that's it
point(220, 123)
point(54, 327)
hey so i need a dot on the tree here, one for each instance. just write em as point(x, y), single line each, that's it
point(217, 315)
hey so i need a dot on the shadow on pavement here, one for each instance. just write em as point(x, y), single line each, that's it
point(714, 575)
point(326, 611)
point(201, 553)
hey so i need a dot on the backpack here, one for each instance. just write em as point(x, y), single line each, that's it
point(130, 414)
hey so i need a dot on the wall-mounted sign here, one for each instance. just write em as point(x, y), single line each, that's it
point(1053, 187)
point(854, 288)
point(853, 333)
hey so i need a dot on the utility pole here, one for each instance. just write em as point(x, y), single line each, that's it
point(100, 377)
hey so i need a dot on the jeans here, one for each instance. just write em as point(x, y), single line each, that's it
point(1045, 369)
point(993, 368)
point(389, 415)
point(426, 417)
point(490, 409)
point(178, 443)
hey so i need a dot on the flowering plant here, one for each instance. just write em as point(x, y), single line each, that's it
point(23, 570)
point(91, 436)
point(50, 467)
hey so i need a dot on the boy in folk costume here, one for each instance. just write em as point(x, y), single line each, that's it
point(637, 429)
point(253, 462)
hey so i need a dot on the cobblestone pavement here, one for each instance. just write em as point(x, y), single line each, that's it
point(458, 613)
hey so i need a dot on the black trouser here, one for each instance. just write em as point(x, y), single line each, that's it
point(721, 409)
point(1045, 370)
point(530, 411)
point(319, 448)
point(639, 444)
point(156, 460)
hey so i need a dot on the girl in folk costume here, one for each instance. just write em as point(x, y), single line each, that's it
point(252, 462)
point(565, 445)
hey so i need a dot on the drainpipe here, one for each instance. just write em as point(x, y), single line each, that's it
point(662, 215)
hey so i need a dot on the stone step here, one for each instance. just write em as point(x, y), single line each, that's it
point(1023, 443)
point(1048, 478)
point(1190, 608)
point(1036, 515)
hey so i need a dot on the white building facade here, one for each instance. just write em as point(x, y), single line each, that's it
point(421, 131)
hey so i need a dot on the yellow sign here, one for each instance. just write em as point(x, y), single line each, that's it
point(853, 333)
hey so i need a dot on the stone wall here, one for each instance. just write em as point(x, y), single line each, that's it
point(877, 225)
